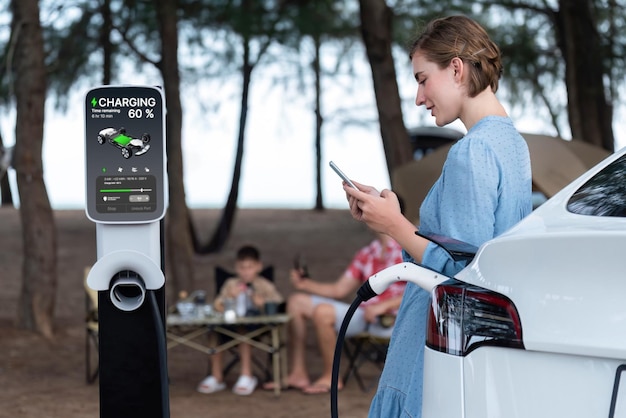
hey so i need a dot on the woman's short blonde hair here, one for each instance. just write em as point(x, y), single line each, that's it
point(461, 37)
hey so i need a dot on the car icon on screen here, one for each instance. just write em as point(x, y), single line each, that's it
point(127, 144)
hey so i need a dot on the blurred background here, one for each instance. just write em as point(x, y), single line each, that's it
point(293, 46)
point(261, 94)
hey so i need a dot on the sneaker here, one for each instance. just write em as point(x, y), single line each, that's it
point(245, 385)
point(210, 385)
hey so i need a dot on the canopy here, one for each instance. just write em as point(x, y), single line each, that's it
point(555, 163)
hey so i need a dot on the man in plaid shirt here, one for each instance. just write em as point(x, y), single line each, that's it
point(322, 303)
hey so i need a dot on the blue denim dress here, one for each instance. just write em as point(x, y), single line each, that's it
point(484, 189)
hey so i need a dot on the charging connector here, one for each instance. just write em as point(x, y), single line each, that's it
point(424, 277)
point(128, 291)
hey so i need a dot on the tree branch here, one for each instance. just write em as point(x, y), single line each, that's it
point(143, 57)
point(515, 5)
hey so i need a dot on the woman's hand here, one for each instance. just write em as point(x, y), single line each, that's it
point(353, 200)
point(380, 211)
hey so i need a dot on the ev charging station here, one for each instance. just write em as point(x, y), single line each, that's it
point(126, 198)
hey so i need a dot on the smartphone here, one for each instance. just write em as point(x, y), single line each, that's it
point(300, 264)
point(341, 174)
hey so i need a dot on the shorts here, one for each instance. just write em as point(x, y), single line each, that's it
point(357, 324)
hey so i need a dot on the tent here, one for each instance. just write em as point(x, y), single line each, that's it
point(555, 163)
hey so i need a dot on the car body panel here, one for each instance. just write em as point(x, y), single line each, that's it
point(559, 268)
point(514, 383)
point(565, 275)
point(443, 393)
point(566, 304)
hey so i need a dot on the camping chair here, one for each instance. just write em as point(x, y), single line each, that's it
point(91, 331)
point(221, 275)
point(366, 348)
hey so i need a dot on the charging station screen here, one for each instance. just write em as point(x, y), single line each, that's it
point(125, 154)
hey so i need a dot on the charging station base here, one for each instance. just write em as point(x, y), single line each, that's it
point(130, 381)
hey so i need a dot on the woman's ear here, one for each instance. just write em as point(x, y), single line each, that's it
point(457, 66)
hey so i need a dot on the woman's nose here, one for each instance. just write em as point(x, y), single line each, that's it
point(419, 99)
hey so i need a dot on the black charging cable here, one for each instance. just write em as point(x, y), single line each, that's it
point(364, 293)
point(422, 276)
point(162, 352)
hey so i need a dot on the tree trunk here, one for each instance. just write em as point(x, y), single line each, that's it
point(179, 241)
point(590, 113)
point(319, 199)
point(376, 20)
point(36, 305)
point(5, 188)
point(225, 224)
point(105, 41)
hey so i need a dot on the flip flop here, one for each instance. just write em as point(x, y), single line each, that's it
point(210, 385)
point(245, 385)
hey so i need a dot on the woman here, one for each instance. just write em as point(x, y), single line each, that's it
point(484, 188)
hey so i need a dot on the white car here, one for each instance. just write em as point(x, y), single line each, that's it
point(535, 325)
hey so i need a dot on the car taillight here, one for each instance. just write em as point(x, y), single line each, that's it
point(463, 317)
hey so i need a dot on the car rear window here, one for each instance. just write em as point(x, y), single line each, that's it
point(604, 194)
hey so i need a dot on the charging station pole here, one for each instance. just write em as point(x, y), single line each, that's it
point(126, 198)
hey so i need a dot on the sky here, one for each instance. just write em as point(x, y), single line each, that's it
point(278, 165)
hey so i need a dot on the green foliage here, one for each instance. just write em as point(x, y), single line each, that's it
point(69, 47)
point(611, 23)
point(74, 35)
point(319, 19)
point(533, 66)
point(525, 31)
point(410, 16)
point(212, 31)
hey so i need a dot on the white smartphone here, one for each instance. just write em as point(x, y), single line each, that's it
point(341, 174)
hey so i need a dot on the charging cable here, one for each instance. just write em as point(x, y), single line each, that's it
point(425, 278)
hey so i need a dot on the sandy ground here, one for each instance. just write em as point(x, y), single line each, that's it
point(41, 378)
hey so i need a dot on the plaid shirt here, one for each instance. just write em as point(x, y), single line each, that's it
point(373, 258)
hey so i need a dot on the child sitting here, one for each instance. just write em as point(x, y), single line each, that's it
point(248, 265)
